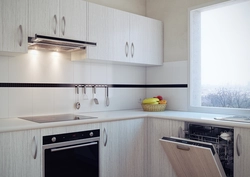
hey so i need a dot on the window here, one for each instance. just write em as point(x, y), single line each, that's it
point(220, 57)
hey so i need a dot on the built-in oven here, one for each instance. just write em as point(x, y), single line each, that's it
point(71, 154)
point(206, 150)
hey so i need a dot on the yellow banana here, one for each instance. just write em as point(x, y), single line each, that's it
point(150, 100)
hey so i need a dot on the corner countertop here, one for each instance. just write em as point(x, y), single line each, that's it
point(16, 124)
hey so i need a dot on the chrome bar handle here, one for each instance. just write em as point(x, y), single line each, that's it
point(35, 153)
point(72, 147)
point(21, 35)
point(106, 139)
point(64, 25)
point(238, 141)
point(126, 49)
point(55, 20)
point(132, 50)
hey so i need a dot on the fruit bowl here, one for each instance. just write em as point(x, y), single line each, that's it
point(153, 107)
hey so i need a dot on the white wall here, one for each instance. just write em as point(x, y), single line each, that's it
point(52, 67)
point(169, 73)
point(133, 6)
point(174, 14)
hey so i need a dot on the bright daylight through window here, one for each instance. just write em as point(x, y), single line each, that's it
point(220, 56)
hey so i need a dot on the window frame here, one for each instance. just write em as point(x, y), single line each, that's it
point(194, 12)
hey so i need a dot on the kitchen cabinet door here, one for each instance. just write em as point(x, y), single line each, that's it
point(73, 19)
point(121, 36)
point(20, 154)
point(44, 17)
point(138, 39)
point(123, 148)
point(13, 26)
point(241, 152)
point(154, 42)
point(158, 163)
point(100, 30)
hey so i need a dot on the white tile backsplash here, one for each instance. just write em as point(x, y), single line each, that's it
point(81, 72)
point(168, 73)
point(122, 74)
point(52, 67)
point(21, 69)
point(98, 73)
point(176, 97)
point(20, 102)
point(4, 69)
point(4, 102)
point(43, 101)
point(64, 99)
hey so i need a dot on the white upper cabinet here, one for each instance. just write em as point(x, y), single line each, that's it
point(73, 19)
point(44, 17)
point(13, 26)
point(121, 36)
point(138, 40)
point(60, 18)
point(124, 37)
point(100, 29)
point(154, 39)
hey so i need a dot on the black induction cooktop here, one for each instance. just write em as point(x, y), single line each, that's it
point(56, 118)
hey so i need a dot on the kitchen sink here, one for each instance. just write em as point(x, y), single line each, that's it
point(56, 118)
point(244, 119)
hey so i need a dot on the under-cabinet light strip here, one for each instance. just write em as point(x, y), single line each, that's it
point(97, 85)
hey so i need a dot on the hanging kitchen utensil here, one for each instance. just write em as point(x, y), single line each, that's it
point(85, 96)
point(107, 96)
point(78, 104)
point(95, 99)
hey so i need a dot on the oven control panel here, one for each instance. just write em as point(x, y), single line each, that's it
point(58, 138)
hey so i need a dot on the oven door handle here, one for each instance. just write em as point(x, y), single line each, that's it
point(71, 147)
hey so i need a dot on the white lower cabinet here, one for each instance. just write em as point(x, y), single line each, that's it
point(123, 150)
point(158, 163)
point(241, 152)
point(20, 154)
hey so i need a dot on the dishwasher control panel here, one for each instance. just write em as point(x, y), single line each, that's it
point(221, 137)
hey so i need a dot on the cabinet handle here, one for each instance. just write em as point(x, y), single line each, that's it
point(132, 50)
point(21, 35)
point(238, 141)
point(126, 49)
point(35, 153)
point(55, 20)
point(64, 25)
point(105, 141)
point(72, 147)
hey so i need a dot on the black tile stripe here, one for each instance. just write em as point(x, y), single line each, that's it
point(98, 85)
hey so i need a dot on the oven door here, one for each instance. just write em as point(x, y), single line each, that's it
point(71, 159)
point(192, 158)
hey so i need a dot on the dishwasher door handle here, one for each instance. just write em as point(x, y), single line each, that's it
point(182, 147)
point(72, 147)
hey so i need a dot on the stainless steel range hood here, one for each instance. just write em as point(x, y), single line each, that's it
point(57, 44)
